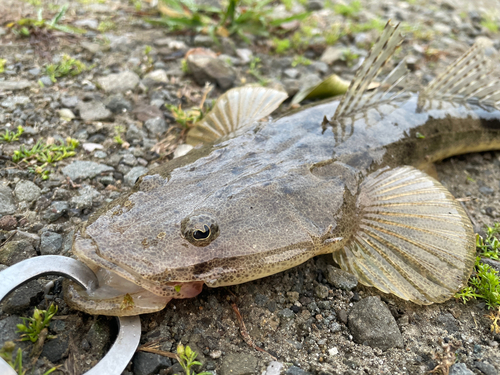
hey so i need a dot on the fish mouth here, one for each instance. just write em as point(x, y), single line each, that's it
point(120, 293)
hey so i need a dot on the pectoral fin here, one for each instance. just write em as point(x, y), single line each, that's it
point(413, 239)
point(236, 109)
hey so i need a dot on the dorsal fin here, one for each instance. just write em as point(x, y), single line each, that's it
point(236, 109)
point(355, 99)
point(471, 78)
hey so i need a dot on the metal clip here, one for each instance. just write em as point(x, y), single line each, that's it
point(118, 357)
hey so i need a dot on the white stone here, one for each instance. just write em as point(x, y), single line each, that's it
point(333, 351)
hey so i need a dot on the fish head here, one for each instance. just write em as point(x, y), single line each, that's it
point(224, 219)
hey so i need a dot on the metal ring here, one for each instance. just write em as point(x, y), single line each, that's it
point(127, 341)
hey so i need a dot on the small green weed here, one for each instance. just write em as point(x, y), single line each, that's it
point(419, 32)
point(301, 60)
point(333, 34)
point(254, 70)
point(148, 59)
point(7, 353)
point(349, 10)
point(10, 136)
point(298, 41)
point(485, 284)
point(185, 118)
point(349, 57)
point(184, 66)
point(119, 130)
point(91, 1)
point(489, 246)
point(420, 135)
point(67, 66)
point(239, 17)
point(106, 25)
point(32, 326)
point(373, 24)
point(187, 359)
point(288, 4)
point(281, 45)
point(35, 3)
point(41, 155)
point(137, 4)
point(2, 65)
point(27, 26)
point(490, 24)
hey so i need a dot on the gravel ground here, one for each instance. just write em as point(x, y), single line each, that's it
point(312, 319)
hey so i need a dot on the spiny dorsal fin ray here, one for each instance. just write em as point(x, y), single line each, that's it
point(355, 98)
point(236, 109)
point(413, 239)
point(471, 78)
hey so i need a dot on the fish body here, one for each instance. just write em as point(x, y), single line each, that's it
point(277, 193)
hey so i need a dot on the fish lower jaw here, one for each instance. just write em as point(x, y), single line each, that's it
point(117, 296)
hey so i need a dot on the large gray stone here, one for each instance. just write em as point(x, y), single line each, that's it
point(56, 349)
point(486, 368)
point(448, 322)
point(371, 323)
point(131, 177)
point(149, 363)
point(239, 364)
point(16, 251)
point(460, 369)
point(55, 210)
point(69, 101)
point(294, 370)
point(12, 102)
point(85, 169)
point(120, 82)
point(23, 297)
point(99, 335)
point(341, 279)
point(93, 111)
point(14, 85)
point(81, 202)
point(156, 126)
point(134, 133)
point(118, 104)
point(7, 203)
point(207, 68)
point(8, 331)
point(50, 243)
point(27, 191)
point(331, 54)
point(155, 78)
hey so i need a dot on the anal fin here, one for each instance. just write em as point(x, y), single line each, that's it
point(412, 239)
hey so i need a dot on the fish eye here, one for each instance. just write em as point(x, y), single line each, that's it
point(201, 235)
point(199, 230)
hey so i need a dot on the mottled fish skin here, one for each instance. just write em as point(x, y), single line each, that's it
point(280, 194)
point(268, 196)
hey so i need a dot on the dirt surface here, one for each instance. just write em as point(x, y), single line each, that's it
point(299, 318)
